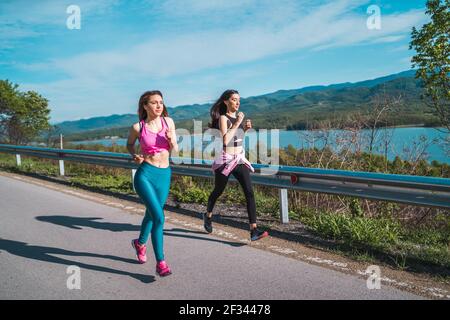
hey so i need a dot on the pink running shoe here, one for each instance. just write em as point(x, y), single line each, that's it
point(163, 269)
point(141, 249)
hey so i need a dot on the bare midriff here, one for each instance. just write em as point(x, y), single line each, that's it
point(160, 159)
point(233, 150)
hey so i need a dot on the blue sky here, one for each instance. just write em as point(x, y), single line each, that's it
point(192, 50)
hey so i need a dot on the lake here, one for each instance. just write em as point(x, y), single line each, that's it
point(404, 142)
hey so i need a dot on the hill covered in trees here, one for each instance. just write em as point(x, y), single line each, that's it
point(291, 109)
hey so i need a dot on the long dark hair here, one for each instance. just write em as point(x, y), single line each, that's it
point(142, 113)
point(220, 108)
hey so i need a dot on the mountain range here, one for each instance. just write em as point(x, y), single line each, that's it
point(286, 109)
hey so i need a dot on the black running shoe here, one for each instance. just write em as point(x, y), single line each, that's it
point(256, 234)
point(207, 223)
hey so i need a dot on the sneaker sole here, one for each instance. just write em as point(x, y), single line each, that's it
point(134, 247)
point(165, 274)
point(205, 226)
point(207, 230)
point(265, 234)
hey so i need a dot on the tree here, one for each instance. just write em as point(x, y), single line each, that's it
point(9, 96)
point(380, 114)
point(52, 136)
point(432, 59)
point(23, 115)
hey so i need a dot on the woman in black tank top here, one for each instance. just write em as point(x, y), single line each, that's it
point(224, 117)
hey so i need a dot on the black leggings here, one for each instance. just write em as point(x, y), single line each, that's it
point(242, 174)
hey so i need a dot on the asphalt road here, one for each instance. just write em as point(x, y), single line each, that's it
point(43, 232)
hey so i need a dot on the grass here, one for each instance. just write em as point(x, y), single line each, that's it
point(404, 247)
point(189, 194)
point(354, 230)
point(110, 179)
point(119, 184)
point(197, 190)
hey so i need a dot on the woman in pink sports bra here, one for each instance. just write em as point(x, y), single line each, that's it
point(156, 134)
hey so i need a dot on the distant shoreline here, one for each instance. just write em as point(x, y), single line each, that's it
point(421, 125)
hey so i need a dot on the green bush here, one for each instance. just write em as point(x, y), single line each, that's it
point(354, 230)
point(355, 208)
point(191, 195)
point(117, 183)
point(428, 236)
point(266, 204)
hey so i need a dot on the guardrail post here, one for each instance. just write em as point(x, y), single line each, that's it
point(18, 160)
point(284, 212)
point(61, 167)
point(133, 172)
point(61, 162)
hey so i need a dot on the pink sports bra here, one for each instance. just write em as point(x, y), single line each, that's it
point(152, 142)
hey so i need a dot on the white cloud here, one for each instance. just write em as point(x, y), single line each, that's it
point(48, 12)
point(188, 7)
point(20, 18)
point(329, 26)
point(71, 98)
point(406, 61)
point(401, 48)
point(394, 28)
point(389, 39)
point(16, 33)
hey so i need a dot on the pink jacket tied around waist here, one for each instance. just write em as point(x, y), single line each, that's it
point(228, 162)
point(152, 142)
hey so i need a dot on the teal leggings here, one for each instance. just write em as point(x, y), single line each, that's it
point(152, 184)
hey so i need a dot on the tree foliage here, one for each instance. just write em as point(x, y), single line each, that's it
point(432, 59)
point(23, 115)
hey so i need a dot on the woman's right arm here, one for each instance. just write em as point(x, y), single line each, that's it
point(133, 135)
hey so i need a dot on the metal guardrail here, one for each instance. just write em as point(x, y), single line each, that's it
point(413, 190)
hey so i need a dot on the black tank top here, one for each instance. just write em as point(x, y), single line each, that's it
point(236, 141)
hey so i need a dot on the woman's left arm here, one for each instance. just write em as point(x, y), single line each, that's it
point(171, 135)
